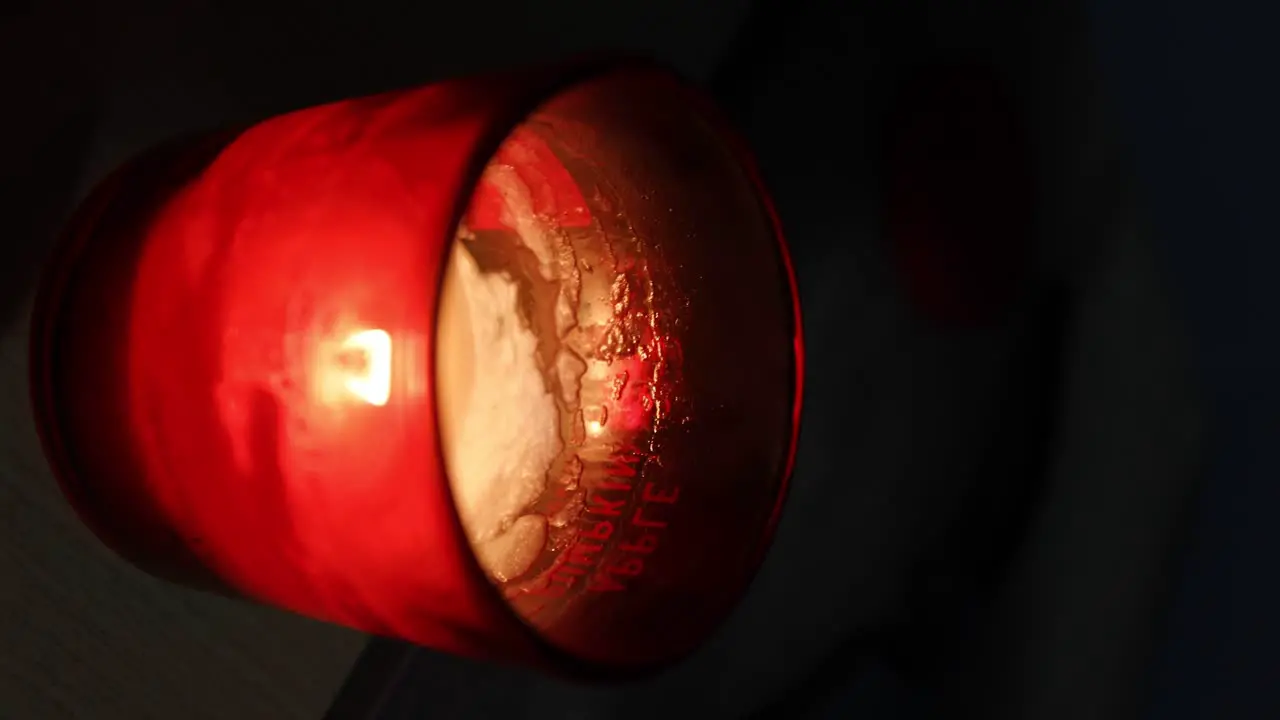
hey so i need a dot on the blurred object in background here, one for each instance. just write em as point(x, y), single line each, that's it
point(1190, 84)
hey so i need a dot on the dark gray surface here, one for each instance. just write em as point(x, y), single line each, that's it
point(1194, 81)
point(902, 421)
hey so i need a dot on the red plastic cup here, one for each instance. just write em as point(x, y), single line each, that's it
point(237, 363)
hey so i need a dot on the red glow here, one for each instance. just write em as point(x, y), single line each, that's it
point(279, 329)
point(234, 363)
point(556, 194)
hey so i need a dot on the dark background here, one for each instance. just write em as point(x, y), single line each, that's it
point(993, 523)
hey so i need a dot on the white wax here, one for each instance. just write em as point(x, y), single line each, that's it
point(499, 422)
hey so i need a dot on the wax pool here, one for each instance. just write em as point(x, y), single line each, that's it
point(499, 421)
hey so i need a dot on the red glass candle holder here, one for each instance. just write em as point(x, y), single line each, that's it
point(244, 353)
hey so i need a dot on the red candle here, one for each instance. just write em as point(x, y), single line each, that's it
point(506, 366)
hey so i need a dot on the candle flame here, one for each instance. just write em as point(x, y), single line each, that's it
point(370, 377)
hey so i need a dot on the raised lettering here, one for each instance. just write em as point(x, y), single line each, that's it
point(602, 530)
point(604, 582)
point(623, 463)
point(567, 569)
point(639, 520)
point(620, 470)
point(549, 590)
point(581, 553)
point(564, 575)
point(631, 566)
point(653, 494)
point(645, 544)
point(600, 506)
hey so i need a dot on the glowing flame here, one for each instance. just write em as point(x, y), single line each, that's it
point(595, 426)
point(366, 361)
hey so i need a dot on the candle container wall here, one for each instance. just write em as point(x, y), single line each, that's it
point(259, 365)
